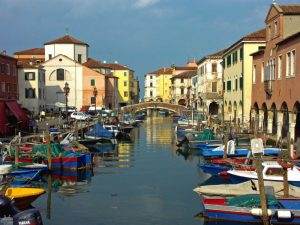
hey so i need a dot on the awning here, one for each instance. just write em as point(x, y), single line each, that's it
point(18, 112)
point(3, 120)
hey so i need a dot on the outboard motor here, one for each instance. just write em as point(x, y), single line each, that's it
point(28, 217)
point(5, 207)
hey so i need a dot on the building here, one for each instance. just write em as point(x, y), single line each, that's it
point(111, 82)
point(150, 87)
point(31, 81)
point(181, 88)
point(12, 116)
point(276, 74)
point(208, 87)
point(34, 54)
point(237, 76)
point(163, 84)
point(136, 90)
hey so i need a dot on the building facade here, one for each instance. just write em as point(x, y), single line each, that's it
point(150, 87)
point(181, 88)
point(12, 116)
point(276, 73)
point(237, 76)
point(163, 81)
point(209, 85)
point(31, 81)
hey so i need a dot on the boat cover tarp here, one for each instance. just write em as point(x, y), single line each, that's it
point(99, 131)
point(3, 119)
point(253, 201)
point(56, 149)
point(205, 135)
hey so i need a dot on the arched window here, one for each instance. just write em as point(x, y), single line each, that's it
point(60, 74)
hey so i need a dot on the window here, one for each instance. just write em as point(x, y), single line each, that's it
point(29, 75)
point(79, 58)
point(279, 68)
point(228, 60)
point(182, 80)
point(50, 56)
point(214, 67)
point(229, 85)
point(8, 69)
point(40, 93)
point(125, 93)
point(60, 74)
point(182, 91)
point(262, 72)
point(241, 83)
point(29, 92)
point(151, 77)
point(93, 100)
point(151, 85)
point(269, 32)
point(288, 64)
point(214, 87)
point(224, 86)
point(254, 74)
point(275, 28)
point(293, 63)
point(241, 54)
point(236, 84)
point(3, 86)
point(125, 74)
point(235, 58)
point(151, 93)
point(93, 82)
point(125, 83)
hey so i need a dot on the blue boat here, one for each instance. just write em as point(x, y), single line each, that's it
point(213, 169)
point(23, 177)
point(99, 133)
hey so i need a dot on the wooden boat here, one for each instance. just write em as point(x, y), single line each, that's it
point(272, 171)
point(246, 209)
point(247, 187)
point(23, 197)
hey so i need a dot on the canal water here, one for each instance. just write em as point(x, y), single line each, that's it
point(142, 182)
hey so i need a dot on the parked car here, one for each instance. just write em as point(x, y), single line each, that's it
point(80, 116)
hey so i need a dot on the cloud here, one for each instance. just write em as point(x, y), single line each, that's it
point(145, 3)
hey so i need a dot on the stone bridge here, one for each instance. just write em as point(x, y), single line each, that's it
point(155, 105)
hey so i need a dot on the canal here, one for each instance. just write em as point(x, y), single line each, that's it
point(143, 182)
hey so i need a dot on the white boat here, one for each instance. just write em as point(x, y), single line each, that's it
point(248, 187)
point(272, 171)
point(5, 169)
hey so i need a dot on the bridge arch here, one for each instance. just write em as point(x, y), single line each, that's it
point(154, 105)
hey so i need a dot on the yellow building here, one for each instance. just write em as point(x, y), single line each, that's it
point(237, 76)
point(125, 77)
point(163, 84)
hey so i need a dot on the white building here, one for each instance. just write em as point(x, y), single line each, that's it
point(68, 46)
point(31, 82)
point(150, 87)
point(209, 84)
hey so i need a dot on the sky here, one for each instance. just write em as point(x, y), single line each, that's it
point(143, 34)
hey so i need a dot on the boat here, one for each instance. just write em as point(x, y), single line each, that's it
point(10, 214)
point(99, 133)
point(24, 176)
point(246, 209)
point(272, 171)
point(23, 197)
point(112, 129)
point(247, 187)
point(5, 169)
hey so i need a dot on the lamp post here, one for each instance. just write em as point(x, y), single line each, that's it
point(66, 91)
point(95, 93)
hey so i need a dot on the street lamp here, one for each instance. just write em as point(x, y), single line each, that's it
point(95, 93)
point(66, 91)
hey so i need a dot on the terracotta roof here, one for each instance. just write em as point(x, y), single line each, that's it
point(67, 39)
point(185, 68)
point(186, 74)
point(164, 70)
point(288, 38)
point(292, 9)
point(7, 56)
point(31, 51)
point(259, 52)
point(29, 63)
point(259, 36)
point(216, 55)
point(93, 63)
point(115, 66)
